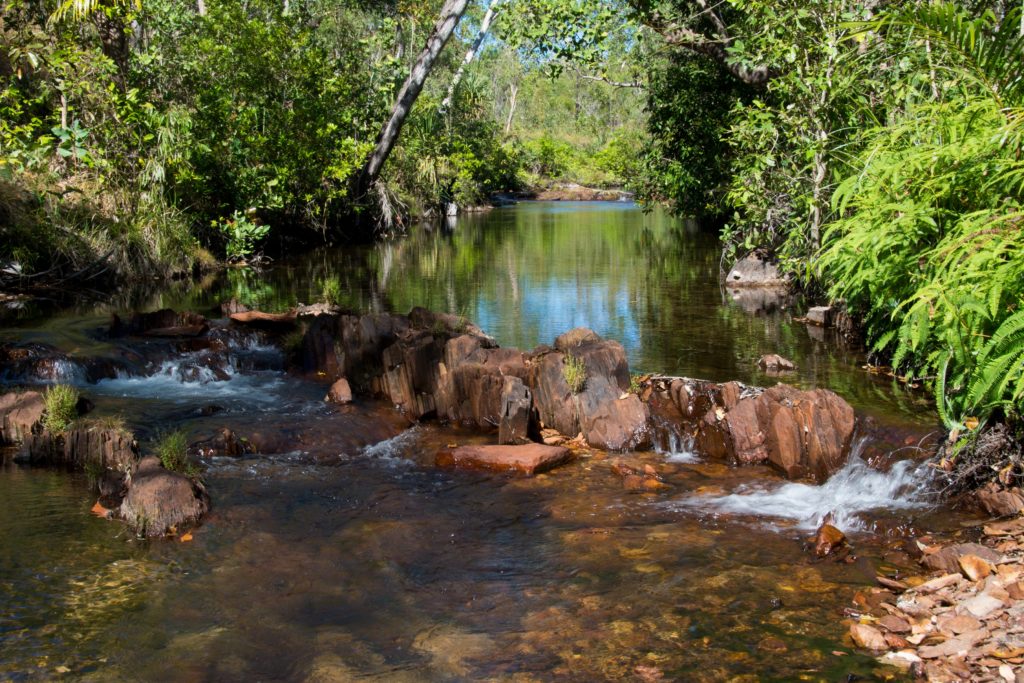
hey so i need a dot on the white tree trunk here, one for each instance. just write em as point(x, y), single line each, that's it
point(451, 13)
point(485, 25)
point(513, 90)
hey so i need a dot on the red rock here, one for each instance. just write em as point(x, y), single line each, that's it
point(259, 318)
point(775, 363)
point(516, 412)
point(340, 392)
point(528, 459)
point(974, 567)
point(894, 624)
point(959, 624)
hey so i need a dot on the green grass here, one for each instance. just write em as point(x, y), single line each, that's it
point(172, 449)
point(61, 408)
point(575, 373)
point(330, 291)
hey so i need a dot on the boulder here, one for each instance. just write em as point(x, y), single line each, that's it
point(516, 411)
point(264, 320)
point(412, 373)
point(611, 419)
point(576, 337)
point(827, 539)
point(755, 271)
point(554, 401)
point(159, 502)
point(340, 392)
point(820, 316)
point(800, 433)
point(526, 459)
point(21, 415)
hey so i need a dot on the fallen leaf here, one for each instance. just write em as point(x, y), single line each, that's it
point(185, 538)
point(100, 511)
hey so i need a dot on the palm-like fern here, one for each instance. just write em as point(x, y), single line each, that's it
point(999, 379)
point(79, 9)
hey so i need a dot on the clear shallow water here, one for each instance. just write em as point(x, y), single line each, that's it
point(376, 566)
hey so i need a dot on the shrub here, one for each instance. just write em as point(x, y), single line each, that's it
point(61, 408)
point(575, 373)
point(241, 235)
point(330, 291)
point(172, 449)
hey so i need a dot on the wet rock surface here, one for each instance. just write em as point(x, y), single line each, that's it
point(21, 414)
point(526, 459)
point(159, 502)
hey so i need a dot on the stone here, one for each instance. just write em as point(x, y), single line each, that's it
point(554, 401)
point(895, 624)
point(948, 559)
point(958, 624)
point(224, 443)
point(516, 412)
point(161, 502)
point(982, 605)
point(820, 316)
point(527, 459)
point(21, 415)
point(827, 539)
point(998, 501)
point(340, 392)
point(903, 659)
point(775, 363)
point(940, 583)
point(85, 445)
point(868, 637)
point(953, 647)
point(755, 271)
point(974, 567)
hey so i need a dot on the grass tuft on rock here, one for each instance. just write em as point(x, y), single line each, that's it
point(61, 408)
point(575, 373)
point(172, 449)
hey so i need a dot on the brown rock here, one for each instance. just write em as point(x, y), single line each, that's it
point(868, 637)
point(528, 458)
point(1000, 502)
point(948, 559)
point(21, 414)
point(974, 568)
point(820, 315)
point(827, 539)
point(962, 623)
point(940, 583)
point(894, 624)
point(340, 392)
point(516, 412)
point(161, 502)
point(576, 337)
point(954, 646)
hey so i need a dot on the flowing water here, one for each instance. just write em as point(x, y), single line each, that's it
point(347, 556)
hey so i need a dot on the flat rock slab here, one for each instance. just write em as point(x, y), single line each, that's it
point(527, 459)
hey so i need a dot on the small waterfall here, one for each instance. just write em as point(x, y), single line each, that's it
point(675, 447)
point(848, 495)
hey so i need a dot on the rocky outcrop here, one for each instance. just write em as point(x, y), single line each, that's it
point(21, 415)
point(159, 502)
point(90, 447)
point(755, 271)
point(800, 433)
point(340, 392)
point(526, 459)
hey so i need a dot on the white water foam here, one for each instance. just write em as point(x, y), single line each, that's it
point(394, 450)
point(848, 495)
point(677, 449)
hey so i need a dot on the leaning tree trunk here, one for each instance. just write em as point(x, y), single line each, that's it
point(451, 13)
point(485, 25)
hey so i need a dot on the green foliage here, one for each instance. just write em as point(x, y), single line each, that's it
point(929, 247)
point(331, 291)
point(241, 235)
point(61, 403)
point(574, 370)
point(172, 449)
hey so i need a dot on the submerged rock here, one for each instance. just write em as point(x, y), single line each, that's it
point(527, 459)
point(775, 363)
point(340, 392)
point(828, 539)
point(161, 502)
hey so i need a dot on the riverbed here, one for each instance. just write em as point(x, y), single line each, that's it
point(355, 559)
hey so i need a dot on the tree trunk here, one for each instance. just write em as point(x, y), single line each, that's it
point(485, 25)
point(114, 41)
point(513, 91)
point(451, 13)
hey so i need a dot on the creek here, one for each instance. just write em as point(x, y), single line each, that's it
point(350, 557)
